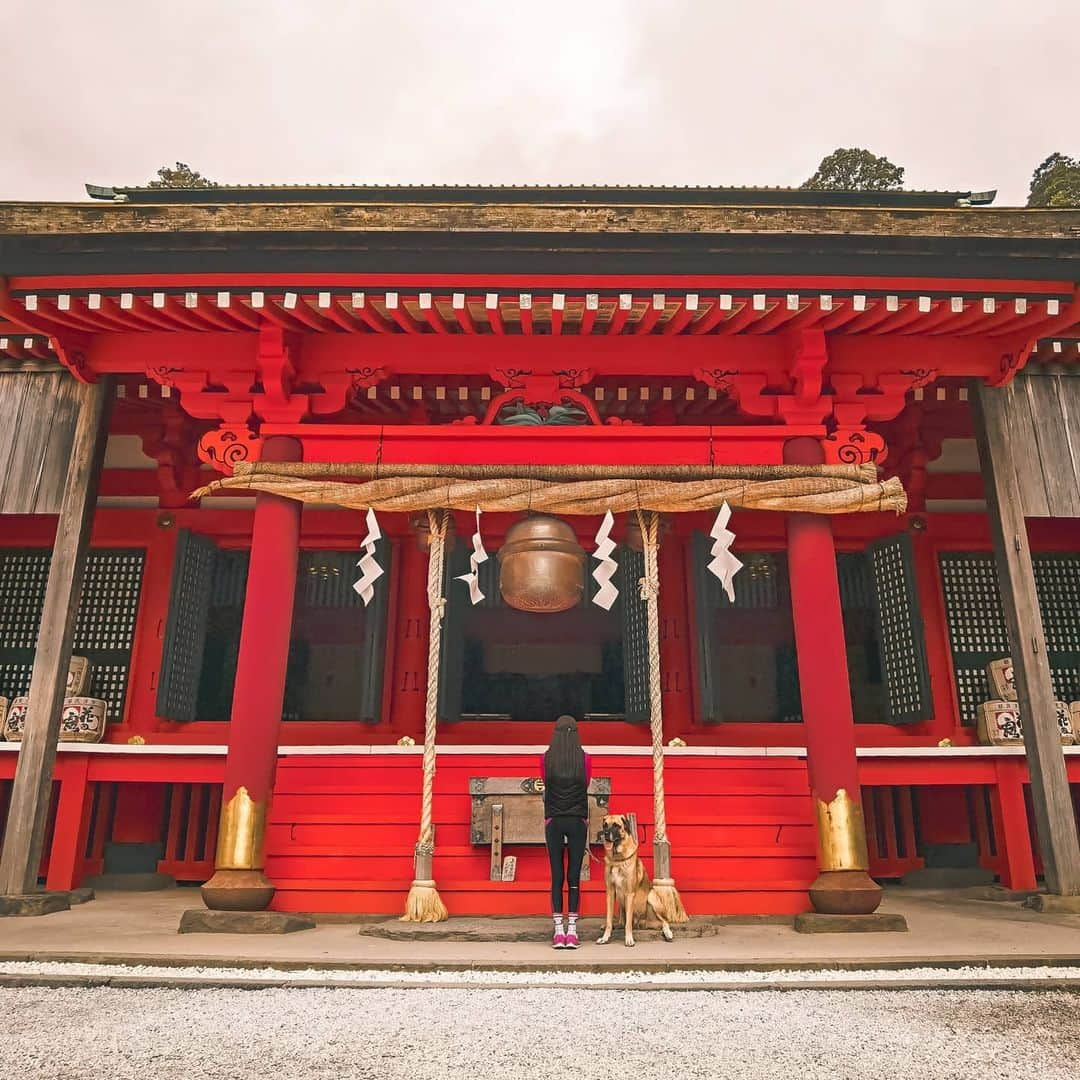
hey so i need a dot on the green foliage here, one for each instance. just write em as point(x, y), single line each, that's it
point(557, 416)
point(180, 176)
point(1055, 184)
point(855, 169)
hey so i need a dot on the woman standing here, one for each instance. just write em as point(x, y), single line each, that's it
point(566, 770)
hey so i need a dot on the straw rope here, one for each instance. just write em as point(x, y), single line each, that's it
point(437, 524)
point(650, 590)
point(423, 903)
point(819, 494)
point(664, 893)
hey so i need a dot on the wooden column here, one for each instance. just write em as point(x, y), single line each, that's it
point(32, 789)
point(239, 882)
point(1054, 817)
point(844, 886)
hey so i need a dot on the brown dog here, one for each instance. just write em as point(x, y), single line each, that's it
point(626, 881)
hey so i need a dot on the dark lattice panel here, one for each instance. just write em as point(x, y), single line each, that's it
point(856, 580)
point(972, 689)
point(900, 634)
point(635, 634)
point(326, 579)
point(185, 629)
point(23, 577)
point(230, 579)
point(1066, 681)
point(976, 622)
point(760, 584)
point(104, 625)
point(109, 603)
point(15, 678)
point(1057, 579)
point(109, 682)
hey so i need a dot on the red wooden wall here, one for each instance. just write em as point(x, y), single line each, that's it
point(342, 830)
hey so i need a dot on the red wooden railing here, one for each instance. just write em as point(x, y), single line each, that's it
point(190, 831)
point(890, 831)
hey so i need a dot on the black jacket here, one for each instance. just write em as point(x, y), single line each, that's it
point(566, 798)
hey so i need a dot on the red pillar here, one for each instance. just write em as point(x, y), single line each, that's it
point(72, 814)
point(239, 882)
point(843, 885)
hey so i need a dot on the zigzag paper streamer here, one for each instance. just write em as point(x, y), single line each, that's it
point(607, 592)
point(724, 565)
point(370, 570)
point(478, 556)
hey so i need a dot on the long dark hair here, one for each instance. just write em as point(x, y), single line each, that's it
point(565, 759)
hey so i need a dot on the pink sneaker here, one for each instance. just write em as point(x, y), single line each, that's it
point(559, 940)
point(571, 940)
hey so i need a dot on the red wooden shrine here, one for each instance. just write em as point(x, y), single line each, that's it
point(246, 325)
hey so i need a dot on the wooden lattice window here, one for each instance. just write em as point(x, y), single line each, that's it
point(901, 637)
point(338, 648)
point(976, 622)
point(104, 626)
point(185, 629)
point(634, 614)
point(334, 636)
point(882, 625)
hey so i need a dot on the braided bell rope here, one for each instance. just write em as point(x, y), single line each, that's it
point(649, 523)
point(438, 521)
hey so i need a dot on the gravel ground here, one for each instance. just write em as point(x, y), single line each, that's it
point(357, 1034)
point(557, 976)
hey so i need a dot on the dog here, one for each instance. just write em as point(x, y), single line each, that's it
point(626, 881)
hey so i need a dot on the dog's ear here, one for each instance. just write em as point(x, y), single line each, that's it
point(627, 825)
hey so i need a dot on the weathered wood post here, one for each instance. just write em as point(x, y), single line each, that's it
point(32, 789)
point(1054, 816)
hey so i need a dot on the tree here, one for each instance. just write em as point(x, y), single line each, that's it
point(180, 176)
point(1056, 183)
point(855, 169)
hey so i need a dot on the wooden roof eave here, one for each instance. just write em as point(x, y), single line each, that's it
point(50, 219)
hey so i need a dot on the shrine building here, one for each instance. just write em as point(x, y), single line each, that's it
point(306, 490)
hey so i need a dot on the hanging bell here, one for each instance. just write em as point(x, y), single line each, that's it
point(541, 565)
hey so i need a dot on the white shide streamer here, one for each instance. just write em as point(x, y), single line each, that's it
point(724, 565)
point(478, 556)
point(370, 570)
point(605, 571)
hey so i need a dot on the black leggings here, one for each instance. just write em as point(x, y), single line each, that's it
point(566, 834)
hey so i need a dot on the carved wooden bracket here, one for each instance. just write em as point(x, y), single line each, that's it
point(843, 401)
point(226, 446)
point(267, 390)
point(169, 444)
point(71, 351)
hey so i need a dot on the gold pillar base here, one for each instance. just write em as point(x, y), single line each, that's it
point(843, 886)
point(238, 890)
point(845, 892)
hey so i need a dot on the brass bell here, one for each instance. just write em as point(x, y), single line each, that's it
point(541, 565)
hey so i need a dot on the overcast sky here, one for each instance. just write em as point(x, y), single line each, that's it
point(965, 95)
